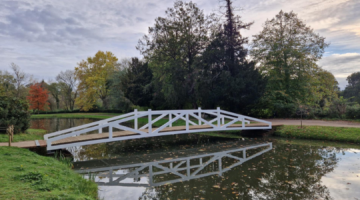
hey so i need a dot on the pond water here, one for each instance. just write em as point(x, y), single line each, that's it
point(194, 166)
point(199, 166)
point(57, 124)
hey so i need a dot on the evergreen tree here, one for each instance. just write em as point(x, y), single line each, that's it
point(352, 90)
point(133, 81)
point(228, 79)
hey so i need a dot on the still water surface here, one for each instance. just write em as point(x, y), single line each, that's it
point(57, 124)
point(195, 166)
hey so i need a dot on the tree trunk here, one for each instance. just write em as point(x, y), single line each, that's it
point(104, 102)
point(57, 104)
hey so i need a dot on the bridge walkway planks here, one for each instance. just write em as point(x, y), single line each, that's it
point(26, 144)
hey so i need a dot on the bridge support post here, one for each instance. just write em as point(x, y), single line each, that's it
point(220, 166)
point(199, 114)
point(187, 121)
point(149, 121)
point(135, 120)
point(170, 118)
point(110, 132)
point(218, 116)
point(100, 129)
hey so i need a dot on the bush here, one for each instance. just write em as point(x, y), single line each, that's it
point(353, 112)
point(14, 111)
point(285, 110)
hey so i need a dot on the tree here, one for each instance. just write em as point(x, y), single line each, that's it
point(55, 91)
point(324, 89)
point(68, 83)
point(14, 111)
point(287, 50)
point(7, 84)
point(19, 77)
point(352, 90)
point(93, 75)
point(171, 48)
point(38, 97)
point(228, 79)
point(134, 80)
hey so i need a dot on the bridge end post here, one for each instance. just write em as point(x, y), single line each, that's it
point(149, 121)
point(199, 114)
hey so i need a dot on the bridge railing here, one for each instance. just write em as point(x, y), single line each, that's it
point(89, 125)
point(194, 120)
point(192, 165)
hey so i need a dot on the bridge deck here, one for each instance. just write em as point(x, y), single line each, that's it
point(96, 136)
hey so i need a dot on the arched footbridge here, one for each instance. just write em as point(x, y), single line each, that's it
point(158, 123)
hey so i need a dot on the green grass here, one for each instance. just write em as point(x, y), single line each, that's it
point(339, 134)
point(27, 175)
point(30, 134)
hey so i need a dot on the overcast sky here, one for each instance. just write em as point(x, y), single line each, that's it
point(45, 37)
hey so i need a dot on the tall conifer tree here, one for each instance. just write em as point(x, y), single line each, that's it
point(228, 79)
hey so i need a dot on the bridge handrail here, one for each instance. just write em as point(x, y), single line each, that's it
point(156, 112)
point(114, 123)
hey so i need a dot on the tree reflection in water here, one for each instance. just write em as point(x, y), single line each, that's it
point(288, 171)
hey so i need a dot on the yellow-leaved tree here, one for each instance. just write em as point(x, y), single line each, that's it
point(93, 75)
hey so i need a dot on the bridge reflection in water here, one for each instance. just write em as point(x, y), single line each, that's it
point(114, 172)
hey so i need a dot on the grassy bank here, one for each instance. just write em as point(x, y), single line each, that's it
point(27, 175)
point(30, 134)
point(320, 133)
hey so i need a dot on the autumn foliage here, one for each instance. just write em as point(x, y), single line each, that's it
point(38, 97)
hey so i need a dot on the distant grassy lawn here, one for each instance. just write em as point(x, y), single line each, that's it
point(31, 134)
point(338, 119)
point(320, 133)
point(27, 175)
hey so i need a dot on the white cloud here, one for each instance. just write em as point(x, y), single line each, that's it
point(341, 65)
point(44, 37)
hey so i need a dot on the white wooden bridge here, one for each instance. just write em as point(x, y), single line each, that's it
point(125, 127)
point(148, 173)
